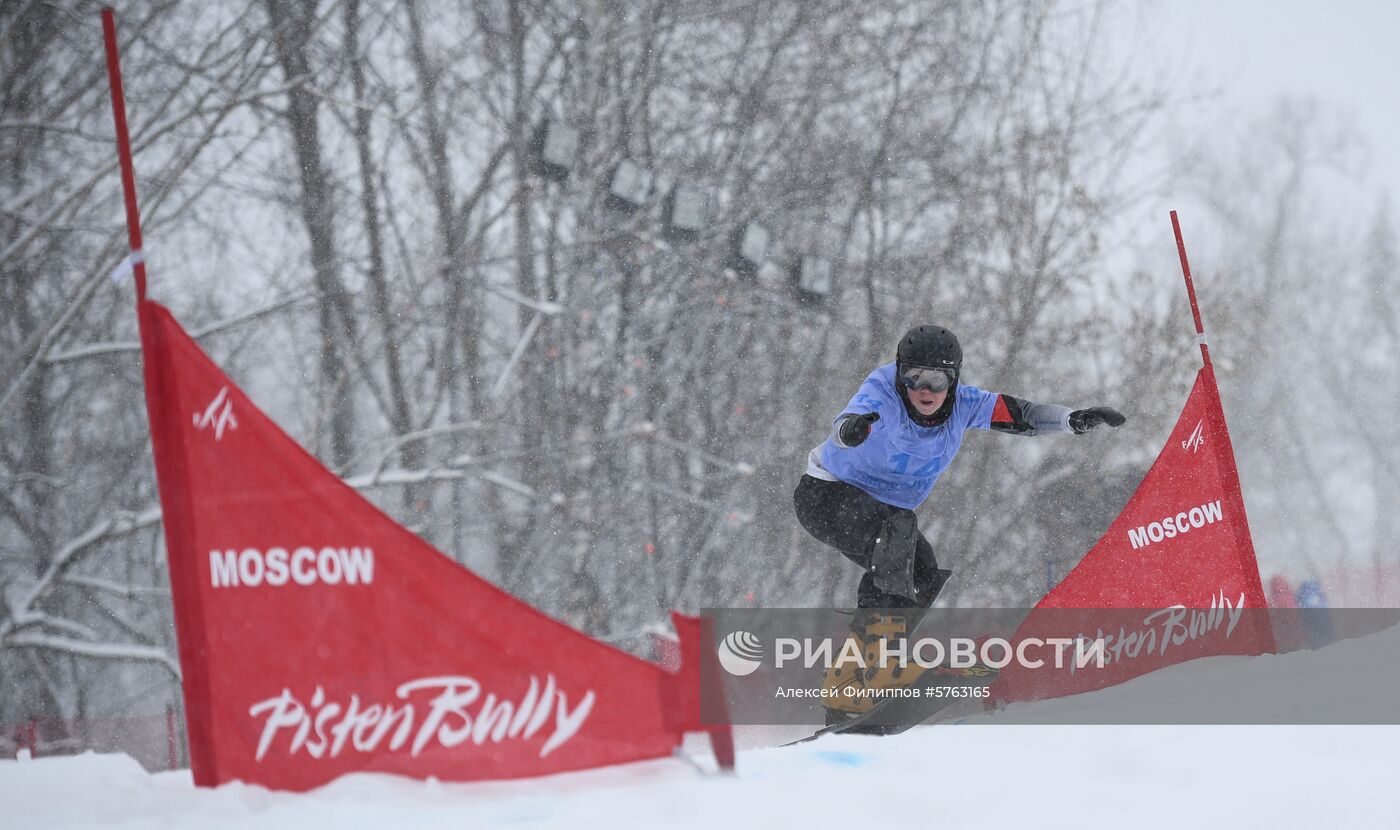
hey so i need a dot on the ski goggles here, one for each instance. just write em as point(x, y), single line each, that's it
point(922, 377)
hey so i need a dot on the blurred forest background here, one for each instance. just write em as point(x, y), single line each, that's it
point(341, 199)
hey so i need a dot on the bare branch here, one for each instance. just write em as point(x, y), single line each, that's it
point(104, 349)
point(119, 588)
point(23, 612)
point(101, 651)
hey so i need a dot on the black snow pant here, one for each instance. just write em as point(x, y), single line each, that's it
point(849, 519)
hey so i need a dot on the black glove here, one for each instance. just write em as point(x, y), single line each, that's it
point(856, 428)
point(1083, 420)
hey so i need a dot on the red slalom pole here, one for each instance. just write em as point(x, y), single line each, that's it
point(1191, 290)
point(133, 215)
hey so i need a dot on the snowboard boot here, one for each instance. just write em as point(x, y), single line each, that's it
point(851, 689)
point(892, 557)
point(843, 686)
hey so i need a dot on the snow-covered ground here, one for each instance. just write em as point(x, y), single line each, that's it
point(957, 775)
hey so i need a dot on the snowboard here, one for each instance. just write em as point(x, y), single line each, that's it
point(894, 715)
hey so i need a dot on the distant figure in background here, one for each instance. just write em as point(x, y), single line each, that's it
point(886, 450)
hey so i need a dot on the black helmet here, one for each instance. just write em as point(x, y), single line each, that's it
point(932, 346)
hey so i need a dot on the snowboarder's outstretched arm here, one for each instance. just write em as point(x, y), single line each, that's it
point(1022, 417)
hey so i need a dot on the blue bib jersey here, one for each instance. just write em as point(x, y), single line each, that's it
point(901, 461)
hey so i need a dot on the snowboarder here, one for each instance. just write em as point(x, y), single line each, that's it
point(886, 450)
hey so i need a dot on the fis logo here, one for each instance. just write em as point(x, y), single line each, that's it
point(1196, 439)
point(740, 653)
point(217, 415)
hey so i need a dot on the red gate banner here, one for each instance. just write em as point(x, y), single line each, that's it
point(1180, 549)
point(317, 636)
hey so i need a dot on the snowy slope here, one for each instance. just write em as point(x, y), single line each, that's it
point(1025, 776)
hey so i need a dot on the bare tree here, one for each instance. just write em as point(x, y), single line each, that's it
point(603, 417)
point(293, 25)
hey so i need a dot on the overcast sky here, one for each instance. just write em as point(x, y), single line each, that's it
point(1252, 52)
point(1225, 64)
point(1342, 52)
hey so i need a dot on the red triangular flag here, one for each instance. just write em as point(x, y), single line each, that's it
point(1182, 540)
point(317, 636)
